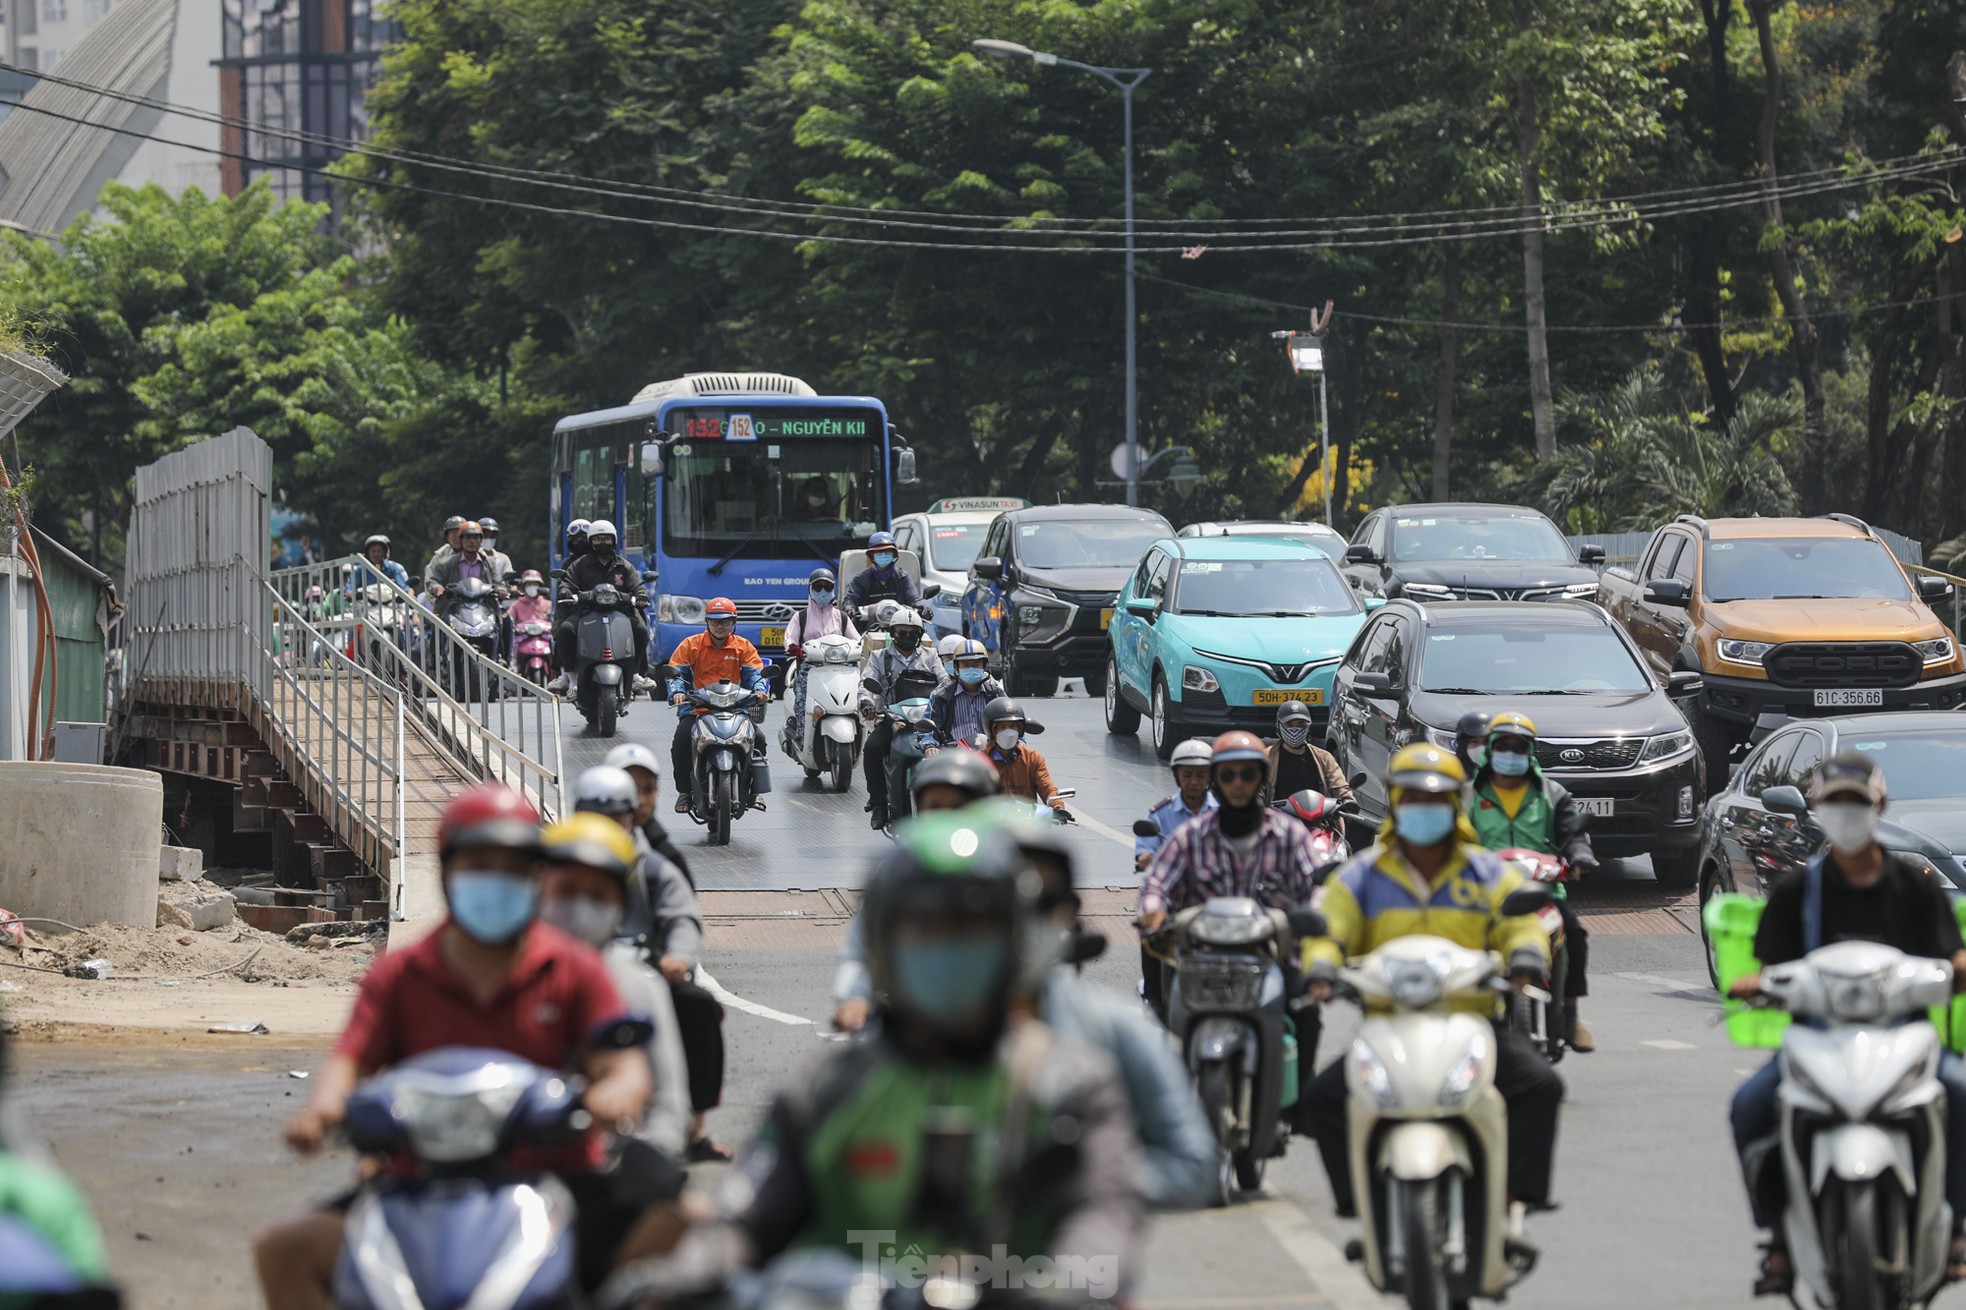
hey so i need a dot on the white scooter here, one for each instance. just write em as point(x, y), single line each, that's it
point(1428, 1128)
point(829, 740)
point(1863, 1125)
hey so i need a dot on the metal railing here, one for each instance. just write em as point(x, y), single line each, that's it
point(484, 715)
point(337, 730)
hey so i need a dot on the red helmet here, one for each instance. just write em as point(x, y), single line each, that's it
point(1240, 745)
point(489, 814)
point(720, 607)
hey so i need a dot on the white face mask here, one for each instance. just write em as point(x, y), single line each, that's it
point(531, 590)
point(1007, 738)
point(1850, 828)
point(582, 917)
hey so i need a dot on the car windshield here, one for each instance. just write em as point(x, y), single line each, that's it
point(1094, 543)
point(1803, 568)
point(951, 546)
point(1251, 588)
point(1918, 766)
point(1516, 659)
point(1420, 538)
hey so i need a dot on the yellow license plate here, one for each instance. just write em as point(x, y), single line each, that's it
point(1105, 619)
point(1279, 695)
point(771, 636)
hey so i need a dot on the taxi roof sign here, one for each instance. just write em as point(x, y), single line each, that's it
point(961, 504)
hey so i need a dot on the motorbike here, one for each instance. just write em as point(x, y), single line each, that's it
point(378, 622)
point(1537, 1014)
point(874, 621)
point(829, 741)
point(1230, 1009)
point(727, 756)
point(532, 650)
point(1862, 1143)
point(913, 741)
point(472, 610)
point(604, 653)
point(1324, 821)
point(1428, 1128)
point(457, 1230)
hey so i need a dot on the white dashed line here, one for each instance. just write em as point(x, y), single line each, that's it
point(736, 1002)
point(1667, 1044)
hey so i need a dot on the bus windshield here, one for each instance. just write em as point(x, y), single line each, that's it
point(763, 499)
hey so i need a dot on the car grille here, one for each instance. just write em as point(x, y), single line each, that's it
point(1843, 664)
point(1495, 593)
point(1218, 986)
point(769, 611)
point(1611, 753)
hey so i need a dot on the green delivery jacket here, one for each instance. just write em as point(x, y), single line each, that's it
point(1548, 821)
point(839, 1164)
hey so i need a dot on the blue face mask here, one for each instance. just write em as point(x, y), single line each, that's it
point(492, 908)
point(822, 595)
point(883, 559)
point(972, 677)
point(1510, 764)
point(949, 982)
point(1424, 825)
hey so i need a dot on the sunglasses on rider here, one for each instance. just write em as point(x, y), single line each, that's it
point(1243, 773)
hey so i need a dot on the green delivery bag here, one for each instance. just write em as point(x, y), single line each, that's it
point(1730, 920)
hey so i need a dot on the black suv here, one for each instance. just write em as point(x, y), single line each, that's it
point(1468, 552)
point(1606, 727)
point(1040, 595)
point(1758, 826)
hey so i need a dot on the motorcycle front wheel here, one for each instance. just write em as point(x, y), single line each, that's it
point(839, 765)
point(1217, 1097)
point(723, 805)
point(1870, 1244)
point(605, 706)
point(1423, 1230)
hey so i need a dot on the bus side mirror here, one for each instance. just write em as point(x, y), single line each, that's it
point(651, 459)
point(904, 466)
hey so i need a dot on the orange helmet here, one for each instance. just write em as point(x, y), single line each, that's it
point(1239, 745)
point(720, 607)
point(489, 814)
point(470, 528)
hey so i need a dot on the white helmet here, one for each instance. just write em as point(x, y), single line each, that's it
point(905, 618)
point(969, 648)
point(601, 528)
point(633, 755)
point(1195, 750)
point(604, 789)
point(947, 646)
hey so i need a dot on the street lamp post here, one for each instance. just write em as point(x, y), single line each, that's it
point(1125, 79)
point(1306, 353)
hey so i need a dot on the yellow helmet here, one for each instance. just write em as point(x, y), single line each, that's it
point(1512, 723)
point(1425, 768)
point(592, 840)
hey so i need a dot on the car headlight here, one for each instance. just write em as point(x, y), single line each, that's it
point(1195, 678)
point(679, 609)
point(1039, 622)
point(1445, 738)
point(1458, 1088)
point(1744, 652)
point(1426, 589)
point(1665, 746)
point(1934, 651)
point(1925, 864)
point(1370, 1077)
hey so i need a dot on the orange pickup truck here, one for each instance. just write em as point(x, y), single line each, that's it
point(1785, 618)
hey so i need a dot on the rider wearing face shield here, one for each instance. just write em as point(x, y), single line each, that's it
point(1427, 874)
point(883, 578)
point(956, 708)
point(887, 1138)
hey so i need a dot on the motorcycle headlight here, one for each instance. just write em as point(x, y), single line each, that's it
point(1744, 652)
point(605, 594)
point(679, 609)
point(840, 655)
point(1458, 1088)
point(721, 699)
point(447, 1128)
point(1665, 746)
point(1371, 1078)
point(1230, 930)
point(914, 711)
point(1935, 651)
point(1416, 984)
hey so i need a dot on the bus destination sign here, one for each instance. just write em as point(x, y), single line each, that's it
point(774, 424)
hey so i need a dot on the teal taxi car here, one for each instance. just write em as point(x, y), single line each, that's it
point(1213, 633)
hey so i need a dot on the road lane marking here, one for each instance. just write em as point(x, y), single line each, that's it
point(736, 1002)
point(1087, 821)
point(1671, 984)
point(1668, 1044)
point(1341, 1282)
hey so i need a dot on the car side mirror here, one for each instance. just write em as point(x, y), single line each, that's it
point(1590, 553)
point(1145, 828)
point(1684, 682)
point(1785, 800)
point(1306, 922)
point(989, 568)
point(904, 466)
point(1666, 591)
point(930, 590)
point(1361, 554)
point(651, 454)
point(1142, 606)
point(1931, 589)
point(1372, 684)
point(1374, 603)
point(1525, 900)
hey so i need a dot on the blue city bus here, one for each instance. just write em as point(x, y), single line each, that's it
point(734, 485)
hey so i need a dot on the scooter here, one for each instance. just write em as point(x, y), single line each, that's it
point(457, 1230)
point(913, 738)
point(1229, 1008)
point(1863, 1124)
point(378, 620)
point(1324, 821)
point(604, 651)
point(532, 650)
point(1537, 1014)
point(829, 740)
point(727, 757)
point(472, 611)
point(1428, 1128)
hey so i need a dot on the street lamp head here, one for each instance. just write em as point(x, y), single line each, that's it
point(1306, 353)
point(1003, 49)
point(1185, 473)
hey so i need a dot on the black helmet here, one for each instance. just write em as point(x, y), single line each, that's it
point(1292, 709)
point(968, 883)
point(489, 524)
point(376, 539)
point(962, 769)
point(1003, 707)
point(1473, 726)
point(818, 576)
point(453, 523)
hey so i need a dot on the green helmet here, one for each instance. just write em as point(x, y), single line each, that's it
point(947, 913)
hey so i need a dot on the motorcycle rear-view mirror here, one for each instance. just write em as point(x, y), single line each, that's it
point(930, 590)
point(1356, 780)
point(650, 575)
point(871, 684)
point(1306, 922)
point(1032, 728)
point(1525, 900)
point(1145, 828)
point(1084, 947)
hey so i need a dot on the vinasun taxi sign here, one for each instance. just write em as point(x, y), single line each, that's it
point(966, 504)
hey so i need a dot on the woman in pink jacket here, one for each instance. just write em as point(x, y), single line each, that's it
point(822, 617)
point(531, 605)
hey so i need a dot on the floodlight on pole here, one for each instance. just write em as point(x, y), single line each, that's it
point(1305, 351)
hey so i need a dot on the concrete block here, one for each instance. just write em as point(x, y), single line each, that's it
point(279, 919)
point(200, 915)
point(180, 864)
point(79, 842)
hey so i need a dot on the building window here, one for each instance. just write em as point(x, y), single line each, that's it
point(94, 11)
point(54, 11)
point(50, 59)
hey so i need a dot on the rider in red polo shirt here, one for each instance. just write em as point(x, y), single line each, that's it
point(488, 976)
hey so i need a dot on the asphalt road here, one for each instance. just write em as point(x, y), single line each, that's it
point(176, 1143)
